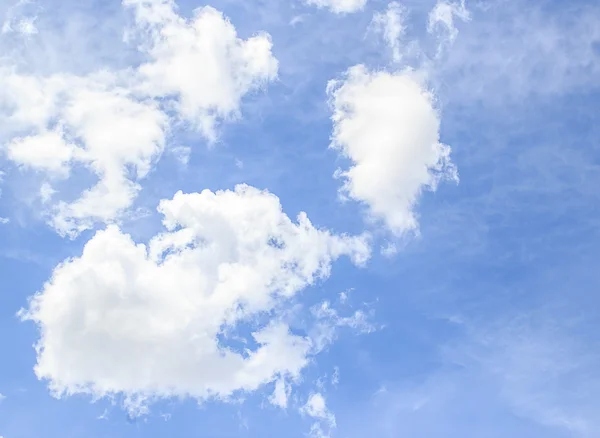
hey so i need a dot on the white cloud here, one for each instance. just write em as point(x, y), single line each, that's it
point(19, 18)
point(30, 102)
point(47, 151)
point(46, 192)
point(389, 250)
point(387, 125)
point(339, 6)
point(544, 370)
point(90, 121)
point(316, 408)
point(534, 374)
point(182, 154)
point(115, 124)
point(328, 322)
point(441, 19)
point(335, 378)
point(281, 394)
point(104, 415)
point(4, 220)
point(148, 321)
point(511, 51)
point(200, 62)
point(297, 20)
point(344, 295)
point(391, 26)
point(24, 26)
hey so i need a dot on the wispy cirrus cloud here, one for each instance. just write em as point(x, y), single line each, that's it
point(515, 50)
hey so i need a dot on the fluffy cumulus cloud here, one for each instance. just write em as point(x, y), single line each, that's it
point(200, 62)
point(155, 320)
point(386, 124)
point(115, 123)
point(339, 6)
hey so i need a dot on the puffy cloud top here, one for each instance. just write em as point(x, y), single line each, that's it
point(387, 125)
point(152, 320)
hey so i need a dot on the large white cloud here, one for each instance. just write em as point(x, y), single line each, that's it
point(149, 321)
point(339, 6)
point(115, 123)
point(387, 125)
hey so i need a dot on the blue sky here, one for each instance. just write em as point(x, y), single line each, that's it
point(444, 287)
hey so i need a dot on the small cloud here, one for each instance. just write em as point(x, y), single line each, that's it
point(344, 296)
point(297, 19)
point(26, 26)
point(4, 221)
point(136, 406)
point(329, 322)
point(239, 164)
point(104, 415)
point(390, 24)
point(335, 378)
point(182, 154)
point(339, 6)
point(46, 192)
point(280, 394)
point(316, 408)
point(243, 421)
point(389, 250)
point(20, 21)
point(441, 20)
